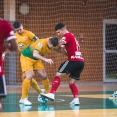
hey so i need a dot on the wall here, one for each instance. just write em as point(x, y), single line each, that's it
point(79, 18)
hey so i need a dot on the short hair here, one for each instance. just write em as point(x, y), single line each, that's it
point(17, 24)
point(54, 41)
point(60, 26)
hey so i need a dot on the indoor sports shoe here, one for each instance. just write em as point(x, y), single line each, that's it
point(49, 96)
point(114, 95)
point(25, 102)
point(42, 91)
point(20, 101)
point(75, 102)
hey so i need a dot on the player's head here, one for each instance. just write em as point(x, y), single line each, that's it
point(60, 29)
point(53, 42)
point(18, 27)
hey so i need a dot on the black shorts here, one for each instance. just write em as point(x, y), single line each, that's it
point(3, 92)
point(74, 68)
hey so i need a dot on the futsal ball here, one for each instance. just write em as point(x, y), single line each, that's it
point(42, 100)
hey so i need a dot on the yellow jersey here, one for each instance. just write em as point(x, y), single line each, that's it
point(39, 45)
point(25, 39)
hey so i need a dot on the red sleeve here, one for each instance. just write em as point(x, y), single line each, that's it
point(65, 38)
point(8, 30)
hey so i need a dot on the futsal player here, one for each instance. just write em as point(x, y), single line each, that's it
point(6, 34)
point(31, 59)
point(72, 66)
point(24, 38)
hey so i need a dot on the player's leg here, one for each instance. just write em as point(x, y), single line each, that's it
point(27, 66)
point(77, 68)
point(23, 77)
point(3, 91)
point(35, 85)
point(62, 71)
point(39, 67)
point(56, 81)
point(25, 87)
point(74, 90)
point(45, 80)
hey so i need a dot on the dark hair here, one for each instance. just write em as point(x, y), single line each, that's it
point(54, 41)
point(59, 26)
point(17, 24)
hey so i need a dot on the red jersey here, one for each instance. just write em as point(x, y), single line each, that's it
point(6, 32)
point(72, 47)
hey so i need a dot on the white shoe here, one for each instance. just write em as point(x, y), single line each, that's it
point(75, 102)
point(25, 102)
point(49, 96)
point(114, 95)
point(20, 101)
point(42, 91)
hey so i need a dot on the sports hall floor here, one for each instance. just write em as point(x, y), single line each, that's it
point(94, 102)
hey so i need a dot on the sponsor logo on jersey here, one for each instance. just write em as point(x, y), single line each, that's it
point(24, 38)
point(75, 57)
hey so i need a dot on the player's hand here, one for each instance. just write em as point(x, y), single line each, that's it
point(50, 61)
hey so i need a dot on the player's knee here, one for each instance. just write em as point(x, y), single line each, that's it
point(29, 76)
point(71, 81)
point(60, 74)
point(44, 76)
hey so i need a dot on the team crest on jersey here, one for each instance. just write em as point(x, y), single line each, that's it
point(24, 38)
point(40, 45)
point(21, 45)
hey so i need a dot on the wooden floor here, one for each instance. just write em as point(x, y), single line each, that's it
point(94, 102)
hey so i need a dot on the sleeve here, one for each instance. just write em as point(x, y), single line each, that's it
point(32, 36)
point(9, 33)
point(39, 46)
point(65, 39)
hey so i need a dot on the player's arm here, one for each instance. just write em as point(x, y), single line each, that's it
point(38, 56)
point(12, 45)
point(35, 38)
point(10, 40)
point(61, 48)
point(32, 36)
